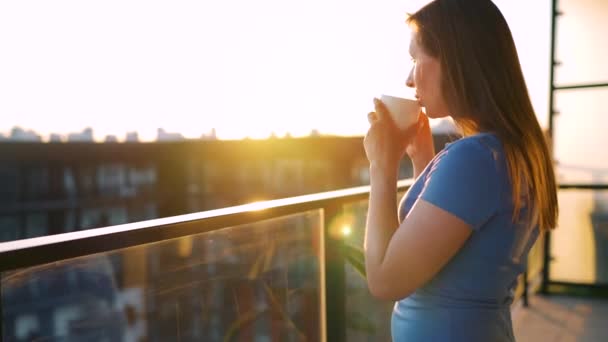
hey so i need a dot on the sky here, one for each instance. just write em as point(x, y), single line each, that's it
point(245, 68)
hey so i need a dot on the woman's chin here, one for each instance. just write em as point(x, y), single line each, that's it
point(431, 114)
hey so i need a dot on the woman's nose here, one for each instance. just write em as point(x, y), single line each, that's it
point(410, 79)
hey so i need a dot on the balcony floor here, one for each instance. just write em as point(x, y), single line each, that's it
point(557, 318)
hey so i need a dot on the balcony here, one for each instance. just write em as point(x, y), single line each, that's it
point(281, 270)
point(288, 269)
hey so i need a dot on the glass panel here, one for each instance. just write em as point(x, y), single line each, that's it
point(535, 260)
point(581, 47)
point(256, 282)
point(368, 319)
point(579, 245)
point(580, 136)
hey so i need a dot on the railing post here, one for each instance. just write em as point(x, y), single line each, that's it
point(1, 308)
point(552, 111)
point(525, 295)
point(546, 262)
point(335, 289)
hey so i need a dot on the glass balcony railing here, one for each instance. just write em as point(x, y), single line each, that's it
point(282, 270)
point(577, 257)
point(258, 279)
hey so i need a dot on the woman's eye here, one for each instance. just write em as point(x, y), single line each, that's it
point(413, 59)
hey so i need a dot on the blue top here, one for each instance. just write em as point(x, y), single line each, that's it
point(469, 298)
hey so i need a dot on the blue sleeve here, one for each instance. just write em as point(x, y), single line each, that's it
point(464, 181)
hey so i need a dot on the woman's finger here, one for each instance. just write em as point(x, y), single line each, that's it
point(421, 122)
point(380, 108)
point(372, 117)
point(413, 130)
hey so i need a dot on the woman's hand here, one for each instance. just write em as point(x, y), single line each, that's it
point(421, 148)
point(385, 144)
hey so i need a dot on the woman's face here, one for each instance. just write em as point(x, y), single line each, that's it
point(425, 78)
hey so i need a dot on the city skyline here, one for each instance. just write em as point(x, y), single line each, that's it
point(20, 134)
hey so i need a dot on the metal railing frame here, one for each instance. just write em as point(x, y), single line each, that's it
point(567, 287)
point(47, 249)
point(556, 13)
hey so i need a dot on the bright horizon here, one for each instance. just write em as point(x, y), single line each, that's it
point(245, 69)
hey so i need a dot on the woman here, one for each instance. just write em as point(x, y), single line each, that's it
point(451, 253)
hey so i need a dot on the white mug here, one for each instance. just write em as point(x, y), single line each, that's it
point(404, 112)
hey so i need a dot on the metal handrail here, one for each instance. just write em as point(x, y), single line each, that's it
point(581, 86)
point(46, 249)
point(575, 186)
point(42, 250)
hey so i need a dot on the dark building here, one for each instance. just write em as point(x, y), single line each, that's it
point(54, 188)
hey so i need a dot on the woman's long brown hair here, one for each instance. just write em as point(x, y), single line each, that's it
point(484, 87)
